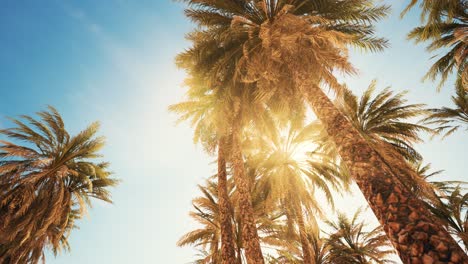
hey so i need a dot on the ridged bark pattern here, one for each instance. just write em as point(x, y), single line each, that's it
point(405, 220)
point(228, 255)
point(251, 241)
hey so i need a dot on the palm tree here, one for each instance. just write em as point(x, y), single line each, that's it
point(450, 204)
point(320, 250)
point(446, 26)
point(287, 49)
point(384, 116)
point(46, 184)
point(449, 120)
point(209, 118)
point(208, 237)
point(206, 213)
point(291, 174)
point(452, 210)
point(384, 121)
point(349, 243)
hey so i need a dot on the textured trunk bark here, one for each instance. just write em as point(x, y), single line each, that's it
point(414, 235)
point(228, 255)
point(251, 241)
point(239, 246)
point(306, 249)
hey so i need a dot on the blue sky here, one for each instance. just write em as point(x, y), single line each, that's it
point(113, 61)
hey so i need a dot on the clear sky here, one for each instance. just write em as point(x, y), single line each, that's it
point(113, 61)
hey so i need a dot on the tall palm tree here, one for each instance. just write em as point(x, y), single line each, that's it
point(384, 119)
point(209, 116)
point(287, 49)
point(449, 120)
point(291, 174)
point(215, 57)
point(46, 183)
point(446, 26)
point(349, 243)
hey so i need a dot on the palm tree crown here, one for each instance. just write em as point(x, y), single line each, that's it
point(446, 26)
point(349, 242)
point(46, 183)
point(385, 116)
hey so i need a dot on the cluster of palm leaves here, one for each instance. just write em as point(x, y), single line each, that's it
point(255, 68)
point(284, 185)
point(446, 28)
point(47, 180)
point(347, 240)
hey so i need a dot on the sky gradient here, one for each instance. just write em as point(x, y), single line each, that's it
point(113, 61)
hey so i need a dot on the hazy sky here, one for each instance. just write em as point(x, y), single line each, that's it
point(113, 61)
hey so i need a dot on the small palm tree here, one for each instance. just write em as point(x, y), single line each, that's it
point(206, 213)
point(208, 237)
point(449, 120)
point(349, 243)
point(446, 26)
point(46, 183)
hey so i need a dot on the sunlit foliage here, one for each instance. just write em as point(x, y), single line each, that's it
point(47, 180)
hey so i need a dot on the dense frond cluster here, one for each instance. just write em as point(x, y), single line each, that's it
point(385, 117)
point(446, 27)
point(47, 180)
point(267, 59)
point(350, 243)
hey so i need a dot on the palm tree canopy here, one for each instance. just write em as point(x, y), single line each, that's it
point(208, 115)
point(206, 213)
point(350, 243)
point(46, 183)
point(252, 41)
point(385, 116)
point(288, 168)
point(446, 27)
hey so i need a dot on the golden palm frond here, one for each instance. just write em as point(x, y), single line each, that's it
point(46, 184)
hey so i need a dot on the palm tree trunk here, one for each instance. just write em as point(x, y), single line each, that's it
point(306, 249)
point(251, 241)
point(228, 255)
point(238, 228)
point(415, 237)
